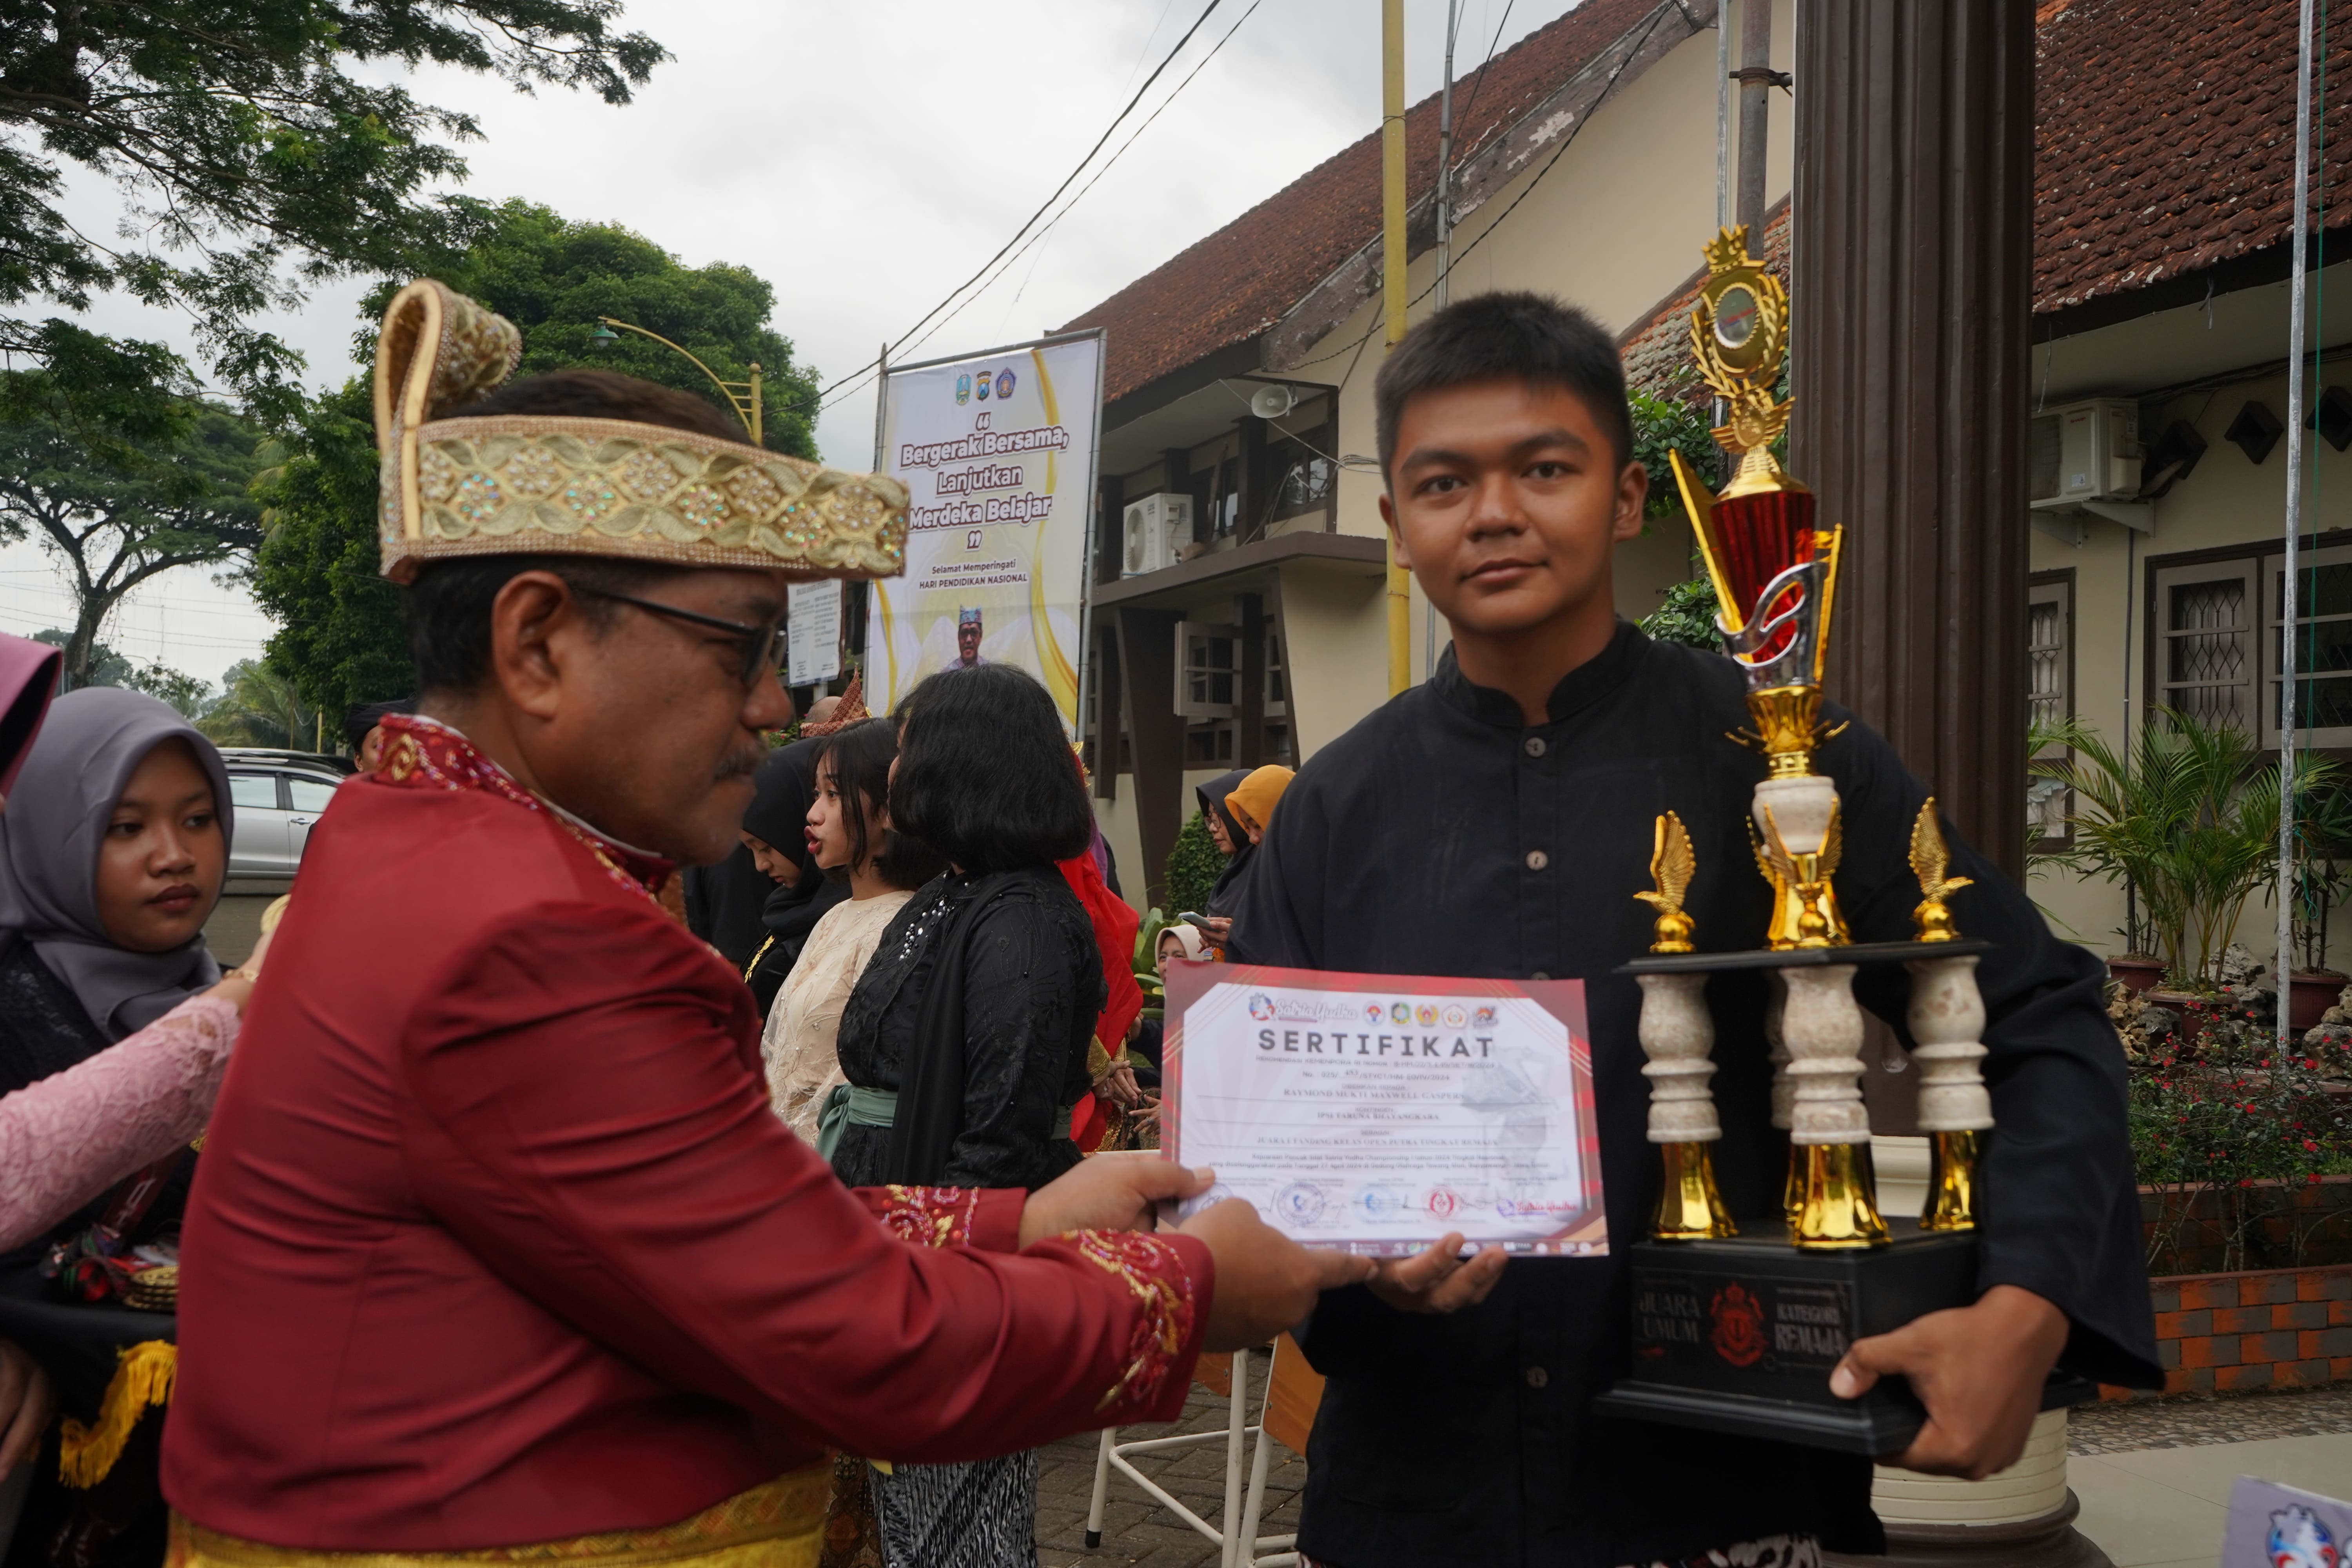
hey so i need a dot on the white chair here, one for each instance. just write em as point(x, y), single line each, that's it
point(1242, 1502)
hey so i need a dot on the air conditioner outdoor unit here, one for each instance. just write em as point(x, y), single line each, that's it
point(2085, 453)
point(1157, 527)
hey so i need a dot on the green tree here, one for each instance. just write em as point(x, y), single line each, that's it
point(259, 706)
point(341, 642)
point(340, 639)
point(189, 694)
point(250, 164)
point(1663, 426)
point(1687, 616)
point(117, 524)
point(1192, 866)
point(555, 278)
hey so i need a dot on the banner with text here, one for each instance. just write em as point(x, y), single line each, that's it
point(997, 453)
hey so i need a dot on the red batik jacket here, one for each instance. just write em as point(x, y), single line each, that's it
point(497, 1240)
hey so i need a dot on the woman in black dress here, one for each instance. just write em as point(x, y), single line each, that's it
point(966, 1037)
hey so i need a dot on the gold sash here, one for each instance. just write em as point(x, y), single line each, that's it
point(777, 1525)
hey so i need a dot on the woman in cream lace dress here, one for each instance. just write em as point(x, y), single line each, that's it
point(849, 837)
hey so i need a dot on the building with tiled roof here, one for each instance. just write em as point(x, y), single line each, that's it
point(2163, 182)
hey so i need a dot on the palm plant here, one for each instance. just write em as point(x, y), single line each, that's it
point(2188, 816)
point(259, 706)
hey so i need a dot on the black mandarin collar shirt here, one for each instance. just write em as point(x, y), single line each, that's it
point(1444, 836)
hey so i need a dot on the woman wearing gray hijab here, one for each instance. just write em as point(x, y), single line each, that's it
point(115, 1023)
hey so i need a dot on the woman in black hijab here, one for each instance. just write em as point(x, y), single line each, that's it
point(775, 831)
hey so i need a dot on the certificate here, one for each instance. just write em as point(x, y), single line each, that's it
point(1377, 1113)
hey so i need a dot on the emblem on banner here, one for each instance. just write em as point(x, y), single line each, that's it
point(963, 388)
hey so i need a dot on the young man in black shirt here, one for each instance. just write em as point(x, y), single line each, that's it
point(1497, 822)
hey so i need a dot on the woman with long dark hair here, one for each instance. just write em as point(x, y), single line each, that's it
point(852, 842)
point(965, 1039)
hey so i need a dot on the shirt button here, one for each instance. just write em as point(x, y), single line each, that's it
point(1540, 975)
point(1535, 746)
point(1538, 859)
point(1538, 1377)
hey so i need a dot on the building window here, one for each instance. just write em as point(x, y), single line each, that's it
point(2214, 661)
point(2323, 645)
point(2205, 641)
point(1207, 670)
point(2049, 697)
point(1208, 745)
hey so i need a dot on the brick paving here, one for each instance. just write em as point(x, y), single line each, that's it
point(1136, 1529)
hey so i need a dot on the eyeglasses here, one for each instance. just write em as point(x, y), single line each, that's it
point(762, 648)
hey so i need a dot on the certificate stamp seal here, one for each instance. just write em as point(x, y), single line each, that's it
point(1300, 1203)
point(1380, 1202)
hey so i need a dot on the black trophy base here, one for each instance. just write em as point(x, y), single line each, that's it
point(1740, 1336)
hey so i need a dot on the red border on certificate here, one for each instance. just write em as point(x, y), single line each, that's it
point(1582, 1232)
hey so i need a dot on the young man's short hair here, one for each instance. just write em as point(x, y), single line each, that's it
point(1518, 336)
point(448, 609)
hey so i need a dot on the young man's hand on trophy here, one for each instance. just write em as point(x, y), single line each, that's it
point(1978, 1370)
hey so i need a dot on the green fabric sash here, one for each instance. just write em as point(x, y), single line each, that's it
point(851, 1105)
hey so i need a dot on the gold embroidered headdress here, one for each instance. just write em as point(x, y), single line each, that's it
point(513, 483)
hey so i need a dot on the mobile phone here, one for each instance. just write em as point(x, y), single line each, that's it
point(1194, 918)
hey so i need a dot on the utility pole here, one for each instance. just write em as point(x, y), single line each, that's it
point(1393, 299)
point(1757, 79)
point(1444, 214)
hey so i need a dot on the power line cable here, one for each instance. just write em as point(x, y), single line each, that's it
point(1067, 206)
point(1043, 207)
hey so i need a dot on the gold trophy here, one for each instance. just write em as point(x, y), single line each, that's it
point(1737, 1329)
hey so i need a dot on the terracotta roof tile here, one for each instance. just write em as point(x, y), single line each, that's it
point(2165, 139)
point(2165, 131)
point(1239, 281)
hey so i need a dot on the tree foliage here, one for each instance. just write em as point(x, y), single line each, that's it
point(1664, 425)
point(259, 706)
point(191, 695)
point(556, 278)
point(250, 162)
point(177, 502)
point(1687, 616)
point(1193, 864)
point(341, 641)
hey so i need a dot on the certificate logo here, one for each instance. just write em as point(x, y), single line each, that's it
point(963, 389)
point(1301, 1203)
point(2298, 1540)
point(1372, 1013)
point(1443, 1203)
point(1004, 383)
point(1455, 1017)
point(1261, 1006)
point(1428, 1015)
point(1380, 1202)
point(1402, 1012)
point(1484, 1017)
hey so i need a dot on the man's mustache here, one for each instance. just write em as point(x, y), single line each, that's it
point(739, 763)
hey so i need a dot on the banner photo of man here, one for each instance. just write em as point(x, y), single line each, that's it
point(997, 451)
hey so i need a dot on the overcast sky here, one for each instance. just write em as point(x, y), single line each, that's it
point(866, 159)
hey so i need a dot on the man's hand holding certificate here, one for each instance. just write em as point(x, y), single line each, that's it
point(1385, 1113)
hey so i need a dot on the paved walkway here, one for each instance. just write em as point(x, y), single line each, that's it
point(2154, 1478)
point(1136, 1527)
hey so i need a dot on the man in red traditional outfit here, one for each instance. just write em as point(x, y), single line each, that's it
point(496, 1246)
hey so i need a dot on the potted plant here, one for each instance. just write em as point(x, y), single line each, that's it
point(2322, 870)
point(2187, 817)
